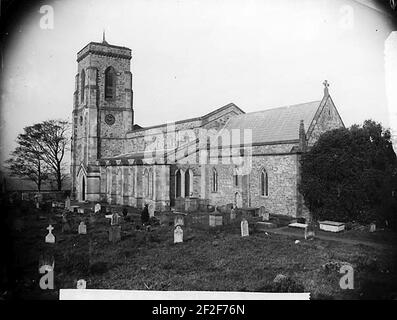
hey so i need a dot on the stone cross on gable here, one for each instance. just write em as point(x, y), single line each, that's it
point(50, 228)
point(326, 85)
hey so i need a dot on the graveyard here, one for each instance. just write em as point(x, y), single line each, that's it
point(211, 251)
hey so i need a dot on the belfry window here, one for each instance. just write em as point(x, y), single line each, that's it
point(82, 85)
point(110, 83)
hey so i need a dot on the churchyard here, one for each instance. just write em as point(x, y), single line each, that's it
point(226, 251)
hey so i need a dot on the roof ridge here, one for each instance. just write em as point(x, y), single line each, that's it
point(283, 107)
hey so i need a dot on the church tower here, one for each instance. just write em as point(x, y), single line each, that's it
point(102, 113)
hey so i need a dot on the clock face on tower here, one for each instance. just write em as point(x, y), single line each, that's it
point(109, 119)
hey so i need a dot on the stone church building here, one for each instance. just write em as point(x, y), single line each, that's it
point(225, 156)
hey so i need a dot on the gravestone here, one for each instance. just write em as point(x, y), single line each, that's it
point(179, 221)
point(82, 228)
point(372, 227)
point(309, 232)
point(97, 208)
point(178, 234)
point(215, 220)
point(80, 210)
point(233, 213)
point(115, 219)
point(151, 210)
point(50, 238)
point(37, 202)
point(114, 233)
point(67, 204)
point(81, 284)
point(264, 213)
point(244, 228)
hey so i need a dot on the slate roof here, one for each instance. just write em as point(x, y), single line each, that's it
point(278, 124)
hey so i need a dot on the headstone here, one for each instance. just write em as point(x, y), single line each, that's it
point(97, 208)
point(372, 227)
point(309, 232)
point(179, 221)
point(81, 284)
point(178, 234)
point(244, 228)
point(264, 213)
point(80, 210)
point(50, 238)
point(233, 213)
point(215, 220)
point(82, 228)
point(115, 220)
point(151, 210)
point(114, 233)
point(67, 204)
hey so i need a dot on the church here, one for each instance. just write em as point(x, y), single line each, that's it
point(225, 156)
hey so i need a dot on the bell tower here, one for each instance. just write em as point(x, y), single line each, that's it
point(102, 113)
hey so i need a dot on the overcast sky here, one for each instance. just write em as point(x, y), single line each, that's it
point(190, 57)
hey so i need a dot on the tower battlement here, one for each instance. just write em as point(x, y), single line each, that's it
point(104, 49)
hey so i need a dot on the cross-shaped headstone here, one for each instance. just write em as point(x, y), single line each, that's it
point(50, 238)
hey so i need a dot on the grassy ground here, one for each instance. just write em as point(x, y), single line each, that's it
point(209, 259)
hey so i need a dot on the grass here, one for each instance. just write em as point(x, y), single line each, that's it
point(209, 259)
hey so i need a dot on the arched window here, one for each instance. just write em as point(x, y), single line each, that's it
point(146, 181)
point(151, 183)
point(110, 83)
point(235, 177)
point(82, 85)
point(214, 181)
point(188, 183)
point(264, 183)
point(178, 183)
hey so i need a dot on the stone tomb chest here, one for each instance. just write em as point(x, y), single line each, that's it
point(215, 219)
point(332, 226)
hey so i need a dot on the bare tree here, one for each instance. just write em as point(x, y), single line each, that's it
point(26, 160)
point(41, 152)
point(52, 137)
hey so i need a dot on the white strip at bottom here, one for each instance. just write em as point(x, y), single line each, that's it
point(103, 294)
